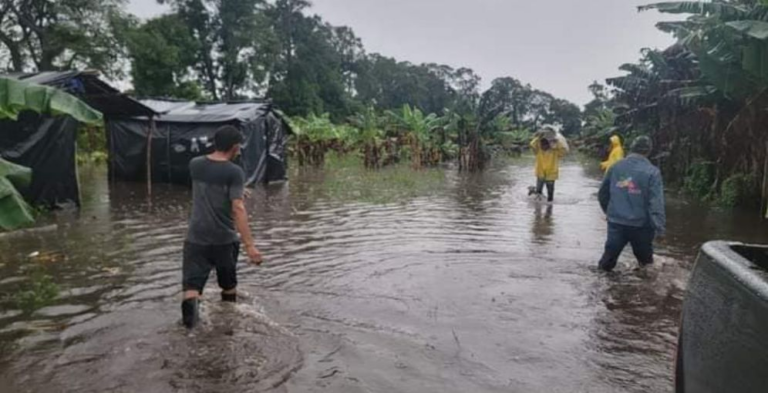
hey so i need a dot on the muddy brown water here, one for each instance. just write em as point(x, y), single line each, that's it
point(459, 284)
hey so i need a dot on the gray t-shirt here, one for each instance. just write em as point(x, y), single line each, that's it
point(215, 184)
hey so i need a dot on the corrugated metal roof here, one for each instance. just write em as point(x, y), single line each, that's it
point(87, 86)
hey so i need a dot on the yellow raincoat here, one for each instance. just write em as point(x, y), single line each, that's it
point(548, 162)
point(617, 154)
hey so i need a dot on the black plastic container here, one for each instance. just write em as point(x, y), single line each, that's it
point(723, 343)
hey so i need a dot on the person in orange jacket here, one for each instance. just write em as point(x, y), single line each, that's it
point(549, 150)
point(616, 155)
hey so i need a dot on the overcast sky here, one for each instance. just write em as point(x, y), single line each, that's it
point(559, 46)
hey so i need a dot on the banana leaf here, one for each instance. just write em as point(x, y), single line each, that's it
point(755, 61)
point(691, 95)
point(17, 96)
point(14, 211)
point(724, 10)
point(729, 78)
point(753, 28)
point(20, 176)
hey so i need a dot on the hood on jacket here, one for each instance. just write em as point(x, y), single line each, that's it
point(615, 141)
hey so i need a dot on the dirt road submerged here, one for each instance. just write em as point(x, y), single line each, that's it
point(469, 288)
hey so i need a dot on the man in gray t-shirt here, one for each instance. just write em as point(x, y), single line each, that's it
point(218, 214)
point(215, 184)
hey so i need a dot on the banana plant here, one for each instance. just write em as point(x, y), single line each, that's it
point(370, 136)
point(368, 124)
point(314, 128)
point(599, 125)
point(517, 137)
point(500, 123)
point(730, 42)
point(419, 125)
point(703, 96)
point(14, 211)
point(314, 137)
point(419, 131)
point(16, 97)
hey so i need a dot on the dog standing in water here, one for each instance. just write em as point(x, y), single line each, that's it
point(532, 192)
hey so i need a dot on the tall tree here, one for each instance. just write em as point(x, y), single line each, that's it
point(466, 85)
point(47, 35)
point(234, 42)
point(539, 110)
point(567, 114)
point(350, 49)
point(529, 108)
point(511, 97)
point(600, 99)
point(308, 74)
point(163, 55)
point(389, 84)
point(289, 24)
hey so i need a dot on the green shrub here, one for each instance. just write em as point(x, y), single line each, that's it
point(91, 139)
point(698, 182)
point(738, 189)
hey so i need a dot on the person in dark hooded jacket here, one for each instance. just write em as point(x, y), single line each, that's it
point(632, 197)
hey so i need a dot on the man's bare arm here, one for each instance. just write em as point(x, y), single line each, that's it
point(241, 223)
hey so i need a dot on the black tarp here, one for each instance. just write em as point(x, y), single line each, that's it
point(87, 86)
point(47, 145)
point(185, 130)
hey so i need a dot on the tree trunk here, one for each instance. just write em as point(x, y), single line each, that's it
point(14, 49)
point(210, 75)
point(17, 59)
point(48, 52)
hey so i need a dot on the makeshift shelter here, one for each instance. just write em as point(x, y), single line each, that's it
point(47, 144)
point(185, 130)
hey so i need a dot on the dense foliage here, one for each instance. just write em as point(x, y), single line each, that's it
point(702, 100)
point(47, 34)
point(224, 50)
point(339, 97)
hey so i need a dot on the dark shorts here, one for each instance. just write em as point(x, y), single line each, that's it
point(199, 260)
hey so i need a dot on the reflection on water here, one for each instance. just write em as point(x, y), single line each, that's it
point(391, 281)
point(640, 318)
point(542, 222)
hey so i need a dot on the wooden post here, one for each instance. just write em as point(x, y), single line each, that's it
point(150, 132)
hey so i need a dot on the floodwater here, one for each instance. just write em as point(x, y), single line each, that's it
point(385, 282)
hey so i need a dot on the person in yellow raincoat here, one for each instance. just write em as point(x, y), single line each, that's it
point(549, 151)
point(617, 154)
